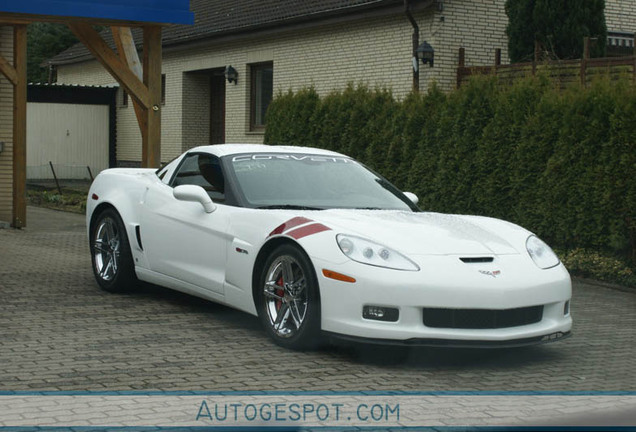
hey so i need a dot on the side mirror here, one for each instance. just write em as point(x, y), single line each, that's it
point(195, 194)
point(410, 195)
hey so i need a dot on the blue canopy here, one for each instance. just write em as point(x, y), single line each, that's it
point(152, 11)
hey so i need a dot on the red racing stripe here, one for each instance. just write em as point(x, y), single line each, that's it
point(289, 225)
point(307, 230)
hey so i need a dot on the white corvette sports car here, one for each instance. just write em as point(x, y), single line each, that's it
point(314, 243)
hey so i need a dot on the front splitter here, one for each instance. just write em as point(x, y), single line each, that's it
point(454, 343)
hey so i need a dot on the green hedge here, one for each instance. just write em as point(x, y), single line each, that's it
point(560, 163)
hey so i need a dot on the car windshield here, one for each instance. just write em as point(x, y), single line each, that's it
point(301, 181)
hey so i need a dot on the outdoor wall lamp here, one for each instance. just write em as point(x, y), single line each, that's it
point(1, 146)
point(425, 53)
point(231, 75)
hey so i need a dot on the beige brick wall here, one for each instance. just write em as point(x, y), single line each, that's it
point(479, 26)
point(620, 15)
point(6, 129)
point(375, 51)
point(196, 110)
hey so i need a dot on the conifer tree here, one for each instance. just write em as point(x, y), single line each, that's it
point(558, 25)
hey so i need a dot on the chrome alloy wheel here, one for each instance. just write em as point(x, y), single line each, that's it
point(106, 249)
point(285, 292)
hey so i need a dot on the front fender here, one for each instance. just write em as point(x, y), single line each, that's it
point(123, 190)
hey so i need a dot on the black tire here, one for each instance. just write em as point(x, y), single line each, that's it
point(111, 258)
point(282, 305)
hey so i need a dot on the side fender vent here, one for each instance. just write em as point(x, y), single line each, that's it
point(138, 235)
point(474, 260)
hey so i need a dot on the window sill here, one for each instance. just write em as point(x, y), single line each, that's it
point(255, 132)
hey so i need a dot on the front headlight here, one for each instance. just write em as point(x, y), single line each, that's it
point(367, 252)
point(541, 253)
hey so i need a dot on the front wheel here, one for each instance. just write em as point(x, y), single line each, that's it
point(110, 253)
point(288, 299)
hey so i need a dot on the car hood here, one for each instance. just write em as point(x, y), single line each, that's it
point(429, 233)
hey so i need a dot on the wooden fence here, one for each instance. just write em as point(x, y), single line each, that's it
point(563, 72)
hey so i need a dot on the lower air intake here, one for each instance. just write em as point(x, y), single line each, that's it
point(481, 318)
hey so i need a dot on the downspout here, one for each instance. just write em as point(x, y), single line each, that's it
point(416, 43)
point(52, 74)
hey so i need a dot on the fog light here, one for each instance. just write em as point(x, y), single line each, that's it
point(380, 313)
point(566, 308)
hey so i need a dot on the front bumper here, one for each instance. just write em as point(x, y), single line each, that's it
point(445, 282)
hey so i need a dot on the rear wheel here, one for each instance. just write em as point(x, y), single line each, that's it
point(288, 299)
point(110, 253)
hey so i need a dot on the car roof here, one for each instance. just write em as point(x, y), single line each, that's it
point(221, 150)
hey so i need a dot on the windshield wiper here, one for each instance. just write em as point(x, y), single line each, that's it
point(287, 207)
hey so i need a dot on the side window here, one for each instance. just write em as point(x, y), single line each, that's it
point(201, 169)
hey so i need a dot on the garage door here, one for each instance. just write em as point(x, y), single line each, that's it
point(70, 136)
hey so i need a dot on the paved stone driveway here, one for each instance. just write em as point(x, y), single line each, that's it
point(58, 331)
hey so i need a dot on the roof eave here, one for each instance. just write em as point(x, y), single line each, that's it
point(305, 22)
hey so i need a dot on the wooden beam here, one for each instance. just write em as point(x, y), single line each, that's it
point(127, 51)
point(13, 19)
point(151, 149)
point(113, 64)
point(19, 125)
point(125, 69)
point(8, 71)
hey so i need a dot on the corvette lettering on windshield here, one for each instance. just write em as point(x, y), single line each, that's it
point(299, 158)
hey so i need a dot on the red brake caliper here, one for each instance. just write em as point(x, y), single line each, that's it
point(280, 291)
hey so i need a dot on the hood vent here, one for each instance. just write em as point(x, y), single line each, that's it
point(473, 260)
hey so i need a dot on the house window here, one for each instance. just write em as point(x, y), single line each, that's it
point(124, 98)
point(620, 44)
point(262, 90)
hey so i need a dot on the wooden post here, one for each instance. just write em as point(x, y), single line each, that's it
point(460, 66)
point(19, 125)
point(151, 142)
point(584, 59)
